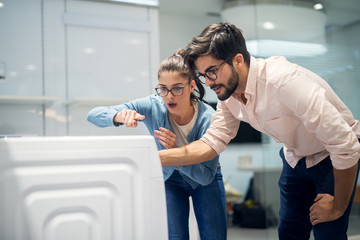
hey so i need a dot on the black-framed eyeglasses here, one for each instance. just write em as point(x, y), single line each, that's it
point(175, 91)
point(210, 73)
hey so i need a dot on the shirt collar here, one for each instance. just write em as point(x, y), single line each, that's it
point(252, 77)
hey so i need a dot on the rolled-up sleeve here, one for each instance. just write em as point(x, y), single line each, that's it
point(224, 127)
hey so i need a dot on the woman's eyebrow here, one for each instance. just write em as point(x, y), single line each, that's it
point(175, 84)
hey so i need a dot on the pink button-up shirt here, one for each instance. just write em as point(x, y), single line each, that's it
point(294, 106)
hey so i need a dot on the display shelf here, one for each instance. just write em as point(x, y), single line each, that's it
point(27, 100)
point(96, 101)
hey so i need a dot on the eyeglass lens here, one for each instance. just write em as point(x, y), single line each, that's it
point(176, 91)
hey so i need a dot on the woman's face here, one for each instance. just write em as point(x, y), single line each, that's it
point(175, 82)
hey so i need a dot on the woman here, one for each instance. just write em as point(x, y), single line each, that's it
point(177, 116)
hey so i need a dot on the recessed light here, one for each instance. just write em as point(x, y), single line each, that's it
point(268, 25)
point(318, 6)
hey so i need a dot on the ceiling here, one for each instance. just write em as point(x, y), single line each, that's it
point(339, 13)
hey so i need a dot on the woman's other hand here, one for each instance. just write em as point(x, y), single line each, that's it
point(166, 137)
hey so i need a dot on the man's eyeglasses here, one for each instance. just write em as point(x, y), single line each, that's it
point(210, 73)
point(176, 91)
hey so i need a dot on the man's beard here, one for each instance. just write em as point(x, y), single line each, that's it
point(232, 84)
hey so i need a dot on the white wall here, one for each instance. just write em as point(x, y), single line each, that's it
point(177, 30)
point(64, 57)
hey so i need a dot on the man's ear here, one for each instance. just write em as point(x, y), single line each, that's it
point(238, 59)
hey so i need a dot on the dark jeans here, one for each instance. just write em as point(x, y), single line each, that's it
point(298, 189)
point(209, 207)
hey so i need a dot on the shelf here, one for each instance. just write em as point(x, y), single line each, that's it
point(35, 100)
point(96, 101)
point(27, 100)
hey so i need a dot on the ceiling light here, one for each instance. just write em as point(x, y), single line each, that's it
point(318, 6)
point(268, 25)
point(141, 2)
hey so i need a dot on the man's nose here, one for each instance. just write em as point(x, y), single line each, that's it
point(208, 82)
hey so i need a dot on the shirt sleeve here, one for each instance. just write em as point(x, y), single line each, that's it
point(312, 100)
point(224, 127)
point(103, 116)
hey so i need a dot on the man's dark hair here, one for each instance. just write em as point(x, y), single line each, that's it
point(220, 40)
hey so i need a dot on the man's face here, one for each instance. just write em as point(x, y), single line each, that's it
point(223, 77)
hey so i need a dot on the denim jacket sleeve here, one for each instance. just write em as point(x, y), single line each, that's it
point(103, 116)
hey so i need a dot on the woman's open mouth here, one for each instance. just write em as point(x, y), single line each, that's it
point(172, 105)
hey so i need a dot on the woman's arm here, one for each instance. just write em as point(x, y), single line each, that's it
point(128, 117)
point(103, 116)
point(109, 116)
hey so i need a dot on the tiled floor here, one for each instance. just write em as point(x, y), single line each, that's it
point(237, 233)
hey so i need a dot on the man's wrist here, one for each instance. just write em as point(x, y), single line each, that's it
point(339, 209)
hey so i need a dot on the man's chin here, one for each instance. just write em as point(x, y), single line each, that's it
point(222, 97)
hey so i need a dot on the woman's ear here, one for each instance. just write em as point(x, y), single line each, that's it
point(192, 85)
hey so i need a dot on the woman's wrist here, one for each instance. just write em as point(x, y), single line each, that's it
point(116, 120)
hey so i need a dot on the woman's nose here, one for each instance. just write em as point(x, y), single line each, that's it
point(170, 95)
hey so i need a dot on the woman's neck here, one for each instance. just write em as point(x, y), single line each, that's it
point(185, 117)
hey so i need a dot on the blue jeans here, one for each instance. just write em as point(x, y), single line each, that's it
point(209, 206)
point(298, 189)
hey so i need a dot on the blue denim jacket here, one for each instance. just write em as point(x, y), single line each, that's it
point(156, 116)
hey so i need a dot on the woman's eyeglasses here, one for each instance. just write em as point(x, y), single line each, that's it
point(175, 91)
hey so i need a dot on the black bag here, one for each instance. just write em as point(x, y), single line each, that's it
point(249, 217)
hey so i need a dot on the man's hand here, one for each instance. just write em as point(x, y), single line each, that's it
point(166, 137)
point(328, 208)
point(128, 117)
point(323, 209)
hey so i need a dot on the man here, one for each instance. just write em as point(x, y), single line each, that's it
point(293, 106)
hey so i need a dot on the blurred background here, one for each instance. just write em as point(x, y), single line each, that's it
point(60, 58)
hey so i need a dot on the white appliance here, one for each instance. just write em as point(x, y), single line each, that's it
point(81, 188)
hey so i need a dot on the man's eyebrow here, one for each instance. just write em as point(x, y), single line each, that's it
point(209, 68)
point(206, 70)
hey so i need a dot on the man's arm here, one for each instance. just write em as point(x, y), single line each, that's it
point(344, 181)
point(327, 208)
point(192, 153)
